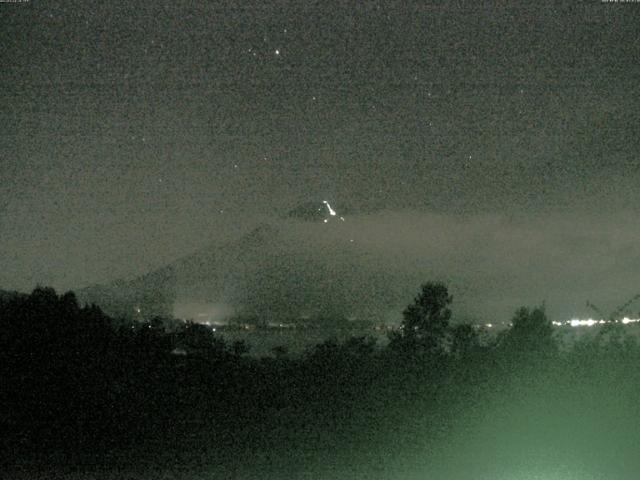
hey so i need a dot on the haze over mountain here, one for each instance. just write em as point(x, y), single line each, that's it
point(313, 263)
point(306, 264)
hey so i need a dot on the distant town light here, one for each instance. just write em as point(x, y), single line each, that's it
point(590, 322)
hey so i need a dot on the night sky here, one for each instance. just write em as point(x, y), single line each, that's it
point(498, 142)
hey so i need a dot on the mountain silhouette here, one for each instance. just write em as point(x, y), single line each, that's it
point(284, 270)
point(202, 276)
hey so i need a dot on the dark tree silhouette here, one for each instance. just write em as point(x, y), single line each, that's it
point(240, 348)
point(464, 340)
point(531, 332)
point(280, 351)
point(200, 340)
point(426, 321)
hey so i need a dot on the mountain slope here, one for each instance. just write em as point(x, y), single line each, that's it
point(203, 276)
point(287, 269)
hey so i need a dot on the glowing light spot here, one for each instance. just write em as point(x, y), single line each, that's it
point(277, 51)
point(331, 210)
point(589, 322)
point(627, 320)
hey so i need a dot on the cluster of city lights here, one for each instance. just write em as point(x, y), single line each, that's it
point(577, 322)
point(590, 322)
point(574, 322)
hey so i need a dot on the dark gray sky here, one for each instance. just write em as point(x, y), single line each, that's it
point(134, 134)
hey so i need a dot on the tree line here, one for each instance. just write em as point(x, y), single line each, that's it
point(82, 385)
